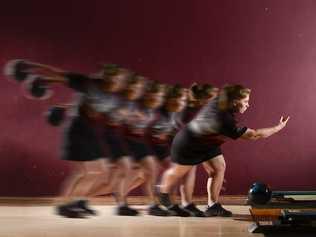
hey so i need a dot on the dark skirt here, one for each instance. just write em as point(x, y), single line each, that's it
point(82, 141)
point(115, 143)
point(191, 149)
point(138, 149)
point(161, 151)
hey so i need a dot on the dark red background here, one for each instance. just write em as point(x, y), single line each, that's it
point(269, 46)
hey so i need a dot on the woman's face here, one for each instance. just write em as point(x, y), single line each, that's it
point(154, 100)
point(242, 105)
point(212, 94)
point(117, 82)
point(177, 104)
point(135, 91)
point(116, 86)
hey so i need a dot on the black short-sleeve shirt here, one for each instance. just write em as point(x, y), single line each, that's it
point(92, 93)
point(215, 124)
point(229, 127)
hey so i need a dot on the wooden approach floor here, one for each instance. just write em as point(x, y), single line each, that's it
point(41, 221)
point(35, 217)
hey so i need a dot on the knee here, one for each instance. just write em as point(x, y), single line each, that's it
point(211, 174)
point(78, 176)
point(78, 173)
point(103, 176)
point(121, 171)
point(124, 166)
point(149, 172)
point(141, 176)
point(121, 174)
point(170, 172)
point(220, 168)
point(175, 173)
point(147, 175)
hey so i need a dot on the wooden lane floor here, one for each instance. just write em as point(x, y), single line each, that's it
point(41, 221)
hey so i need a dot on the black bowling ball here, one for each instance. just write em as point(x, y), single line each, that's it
point(56, 115)
point(17, 69)
point(37, 87)
point(259, 194)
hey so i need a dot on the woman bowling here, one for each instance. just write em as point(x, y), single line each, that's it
point(200, 142)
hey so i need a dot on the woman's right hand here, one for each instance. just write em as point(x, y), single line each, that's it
point(283, 121)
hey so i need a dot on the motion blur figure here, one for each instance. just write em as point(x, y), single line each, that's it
point(83, 135)
point(83, 146)
point(141, 115)
point(200, 141)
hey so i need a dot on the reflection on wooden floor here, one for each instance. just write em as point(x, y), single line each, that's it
point(35, 221)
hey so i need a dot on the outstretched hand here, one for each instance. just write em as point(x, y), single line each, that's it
point(283, 121)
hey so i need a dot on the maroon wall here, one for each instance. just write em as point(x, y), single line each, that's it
point(267, 45)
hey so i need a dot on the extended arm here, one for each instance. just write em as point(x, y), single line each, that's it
point(255, 134)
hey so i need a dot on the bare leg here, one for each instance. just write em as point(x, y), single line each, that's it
point(172, 176)
point(216, 182)
point(78, 185)
point(93, 170)
point(215, 185)
point(187, 187)
point(150, 172)
point(82, 178)
point(208, 187)
point(186, 190)
point(120, 186)
point(77, 173)
point(163, 165)
point(138, 179)
point(105, 183)
point(210, 171)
